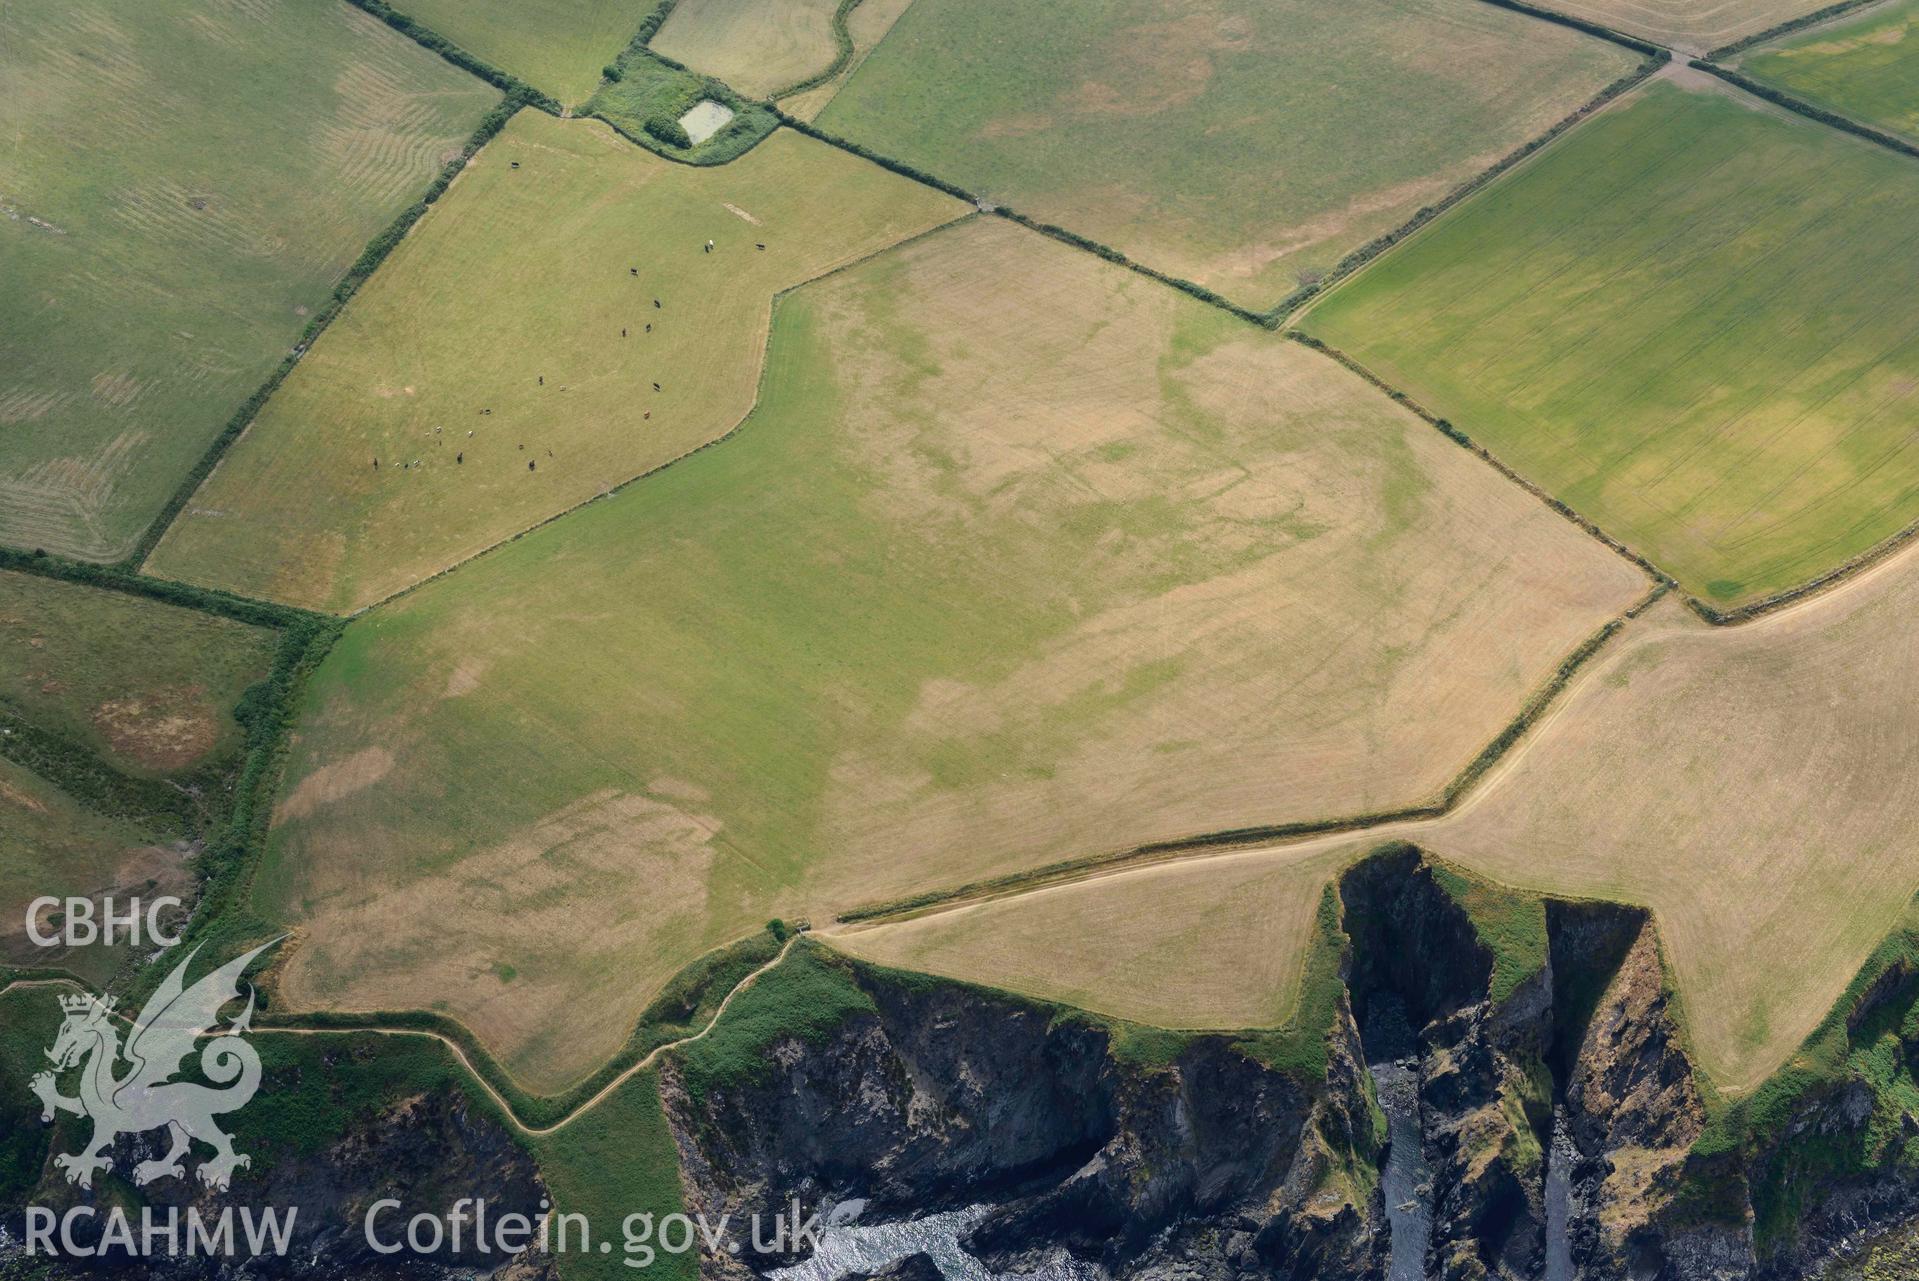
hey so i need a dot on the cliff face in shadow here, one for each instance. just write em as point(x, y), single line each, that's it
point(1530, 1027)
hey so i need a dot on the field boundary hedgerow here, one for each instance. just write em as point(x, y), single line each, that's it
point(427, 38)
point(1158, 853)
point(1359, 258)
point(356, 275)
point(1799, 106)
point(233, 833)
point(1274, 316)
point(843, 39)
point(1467, 443)
point(759, 392)
point(1747, 613)
point(1786, 28)
point(1585, 25)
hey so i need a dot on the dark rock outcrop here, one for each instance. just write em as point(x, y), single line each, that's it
point(946, 1096)
point(427, 1152)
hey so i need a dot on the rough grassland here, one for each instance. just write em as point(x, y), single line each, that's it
point(557, 46)
point(1691, 26)
point(1216, 944)
point(1244, 144)
point(51, 844)
point(1022, 556)
point(518, 276)
point(1866, 67)
point(180, 184)
point(757, 46)
point(1696, 321)
point(616, 1160)
point(1749, 785)
point(148, 687)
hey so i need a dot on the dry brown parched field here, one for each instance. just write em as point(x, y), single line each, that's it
point(1020, 557)
point(1751, 785)
point(552, 329)
point(1207, 943)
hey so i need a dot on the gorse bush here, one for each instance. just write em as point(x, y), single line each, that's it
point(668, 131)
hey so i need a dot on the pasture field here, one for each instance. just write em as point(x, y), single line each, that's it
point(1865, 66)
point(1695, 321)
point(557, 46)
point(1687, 26)
point(52, 844)
point(148, 687)
point(1747, 784)
point(502, 365)
point(758, 46)
point(867, 25)
point(213, 171)
point(1020, 557)
point(1322, 128)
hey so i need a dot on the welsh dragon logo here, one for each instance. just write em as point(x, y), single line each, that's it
point(145, 1097)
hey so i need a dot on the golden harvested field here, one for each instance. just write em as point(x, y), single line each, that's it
point(1750, 785)
point(502, 366)
point(1209, 943)
point(1021, 557)
point(757, 46)
point(1689, 26)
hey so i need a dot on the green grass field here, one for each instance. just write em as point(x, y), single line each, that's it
point(757, 46)
point(1694, 321)
point(1247, 146)
point(148, 687)
point(1865, 66)
point(182, 185)
point(1020, 557)
point(557, 46)
point(512, 346)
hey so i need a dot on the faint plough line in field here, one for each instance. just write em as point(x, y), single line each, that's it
point(500, 1100)
point(1160, 853)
